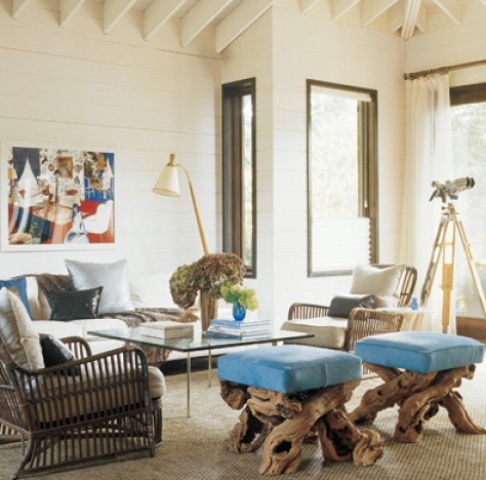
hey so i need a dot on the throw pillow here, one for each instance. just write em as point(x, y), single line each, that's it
point(381, 282)
point(20, 286)
point(113, 277)
point(17, 332)
point(74, 305)
point(341, 305)
point(55, 353)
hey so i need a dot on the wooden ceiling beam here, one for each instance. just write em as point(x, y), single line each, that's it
point(370, 11)
point(410, 19)
point(158, 13)
point(67, 9)
point(341, 7)
point(452, 8)
point(199, 17)
point(239, 20)
point(113, 10)
point(17, 7)
point(305, 5)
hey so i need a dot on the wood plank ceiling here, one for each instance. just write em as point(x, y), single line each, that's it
point(230, 18)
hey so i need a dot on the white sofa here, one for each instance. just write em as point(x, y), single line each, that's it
point(146, 291)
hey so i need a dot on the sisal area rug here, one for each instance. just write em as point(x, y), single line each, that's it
point(193, 447)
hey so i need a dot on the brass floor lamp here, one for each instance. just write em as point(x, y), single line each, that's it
point(168, 184)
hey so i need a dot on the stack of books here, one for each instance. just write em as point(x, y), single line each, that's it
point(230, 328)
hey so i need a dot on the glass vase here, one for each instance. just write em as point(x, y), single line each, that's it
point(239, 312)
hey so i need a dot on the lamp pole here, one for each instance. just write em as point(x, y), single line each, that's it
point(194, 202)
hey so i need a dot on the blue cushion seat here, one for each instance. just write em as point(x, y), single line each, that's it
point(289, 368)
point(421, 352)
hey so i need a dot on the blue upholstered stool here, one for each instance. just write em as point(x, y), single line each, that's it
point(420, 370)
point(289, 368)
point(289, 392)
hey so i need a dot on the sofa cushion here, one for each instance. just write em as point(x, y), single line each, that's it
point(384, 283)
point(18, 335)
point(341, 305)
point(113, 277)
point(58, 328)
point(95, 324)
point(148, 290)
point(73, 305)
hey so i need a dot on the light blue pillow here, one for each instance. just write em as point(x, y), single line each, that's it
point(20, 285)
point(113, 277)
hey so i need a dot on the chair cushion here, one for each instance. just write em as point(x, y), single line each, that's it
point(113, 277)
point(289, 368)
point(421, 352)
point(384, 283)
point(341, 305)
point(17, 332)
point(329, 332)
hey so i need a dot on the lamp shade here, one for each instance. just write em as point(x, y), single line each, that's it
point(168, 182)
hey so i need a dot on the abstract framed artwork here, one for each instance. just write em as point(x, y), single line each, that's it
point(57, 198)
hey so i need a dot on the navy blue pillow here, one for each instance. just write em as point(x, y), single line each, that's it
point(341, 305)
point(20, 285)
point(76, 304)
point(55, 353)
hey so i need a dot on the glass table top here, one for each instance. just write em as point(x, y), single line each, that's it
point(138, 336)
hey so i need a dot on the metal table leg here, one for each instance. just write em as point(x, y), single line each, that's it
point(188, 385)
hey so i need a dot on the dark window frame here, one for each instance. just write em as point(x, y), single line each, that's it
point(368, 171)
point(233, 179)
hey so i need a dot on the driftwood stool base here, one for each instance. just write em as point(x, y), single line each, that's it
point(282, 422)
point(290, 394)
point(419, 396)
point(420, 371)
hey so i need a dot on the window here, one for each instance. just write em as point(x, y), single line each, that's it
point(341, 177)
point(239, 205)
point(468, 122)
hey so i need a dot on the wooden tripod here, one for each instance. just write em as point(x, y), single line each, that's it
point(445, 250)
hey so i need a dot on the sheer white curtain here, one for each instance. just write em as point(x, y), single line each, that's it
point(428, 158)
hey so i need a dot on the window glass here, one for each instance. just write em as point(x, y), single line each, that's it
point(239, 197)
point(341, 178)
point(468, 120)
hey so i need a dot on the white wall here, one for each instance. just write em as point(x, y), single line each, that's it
point(76, 87)
point(454, 45)
point(317, 49)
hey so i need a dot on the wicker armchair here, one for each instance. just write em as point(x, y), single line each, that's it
point(362, 322)
point(90, 408)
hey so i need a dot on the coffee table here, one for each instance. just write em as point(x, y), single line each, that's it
point(192, 344)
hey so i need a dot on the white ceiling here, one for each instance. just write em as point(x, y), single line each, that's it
point(230, 18)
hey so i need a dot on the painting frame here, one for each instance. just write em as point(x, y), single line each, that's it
point(56, 197)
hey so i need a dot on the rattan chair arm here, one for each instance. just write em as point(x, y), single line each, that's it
point(364, 322)
point(307, 310)
point(78, 345)
point(101, 384)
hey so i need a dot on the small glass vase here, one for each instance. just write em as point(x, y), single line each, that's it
point(239, 311)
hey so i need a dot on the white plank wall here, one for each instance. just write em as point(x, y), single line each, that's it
point(75, 86)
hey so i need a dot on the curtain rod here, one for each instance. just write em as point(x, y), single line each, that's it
point(423, 73)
